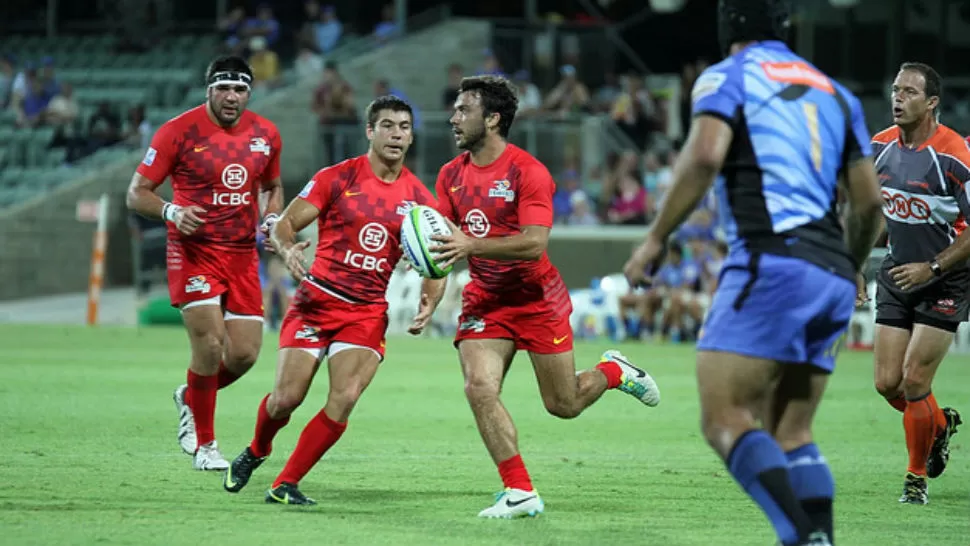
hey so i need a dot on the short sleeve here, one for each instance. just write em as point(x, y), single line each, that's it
point(718, 91)
point(958, 174)
point(276, 149)
point(535, 197)
point(443, 202)
point(858, 143)
point(161, 155)
point(318, 190)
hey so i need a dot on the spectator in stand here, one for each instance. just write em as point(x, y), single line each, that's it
point(48, 78)
point(387, 28)
point(582, 211)
point(62, 115)
point(104, 128)
point(7, 74)
point(530, 99)
point(490, 65)
point(32, 107)
point(635, 111)
point(329, 30)
point(607, 94)
point(265, 64)
point(264, 25)
point(630, 202)
point(138, 131)
point(334, 105)
point(308, 64)
point(570, 95)
point(230, 27)
point(450, 93)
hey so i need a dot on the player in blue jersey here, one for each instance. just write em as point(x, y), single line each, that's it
point(783, 135)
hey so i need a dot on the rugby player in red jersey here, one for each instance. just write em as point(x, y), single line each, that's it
point(339, 311)
point(502, 198)
point(922, 285)
point(223, 161)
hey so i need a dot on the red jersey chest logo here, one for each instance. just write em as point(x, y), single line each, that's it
point(502, 190)
point(232, 164)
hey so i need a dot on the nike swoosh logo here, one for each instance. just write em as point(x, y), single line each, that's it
point(229, 480)
point(558, 340)
point(352, 193)
point(512, 504)
point(200, 148)
point(455, 188)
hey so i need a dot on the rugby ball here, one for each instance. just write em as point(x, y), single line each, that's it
point(419, 226)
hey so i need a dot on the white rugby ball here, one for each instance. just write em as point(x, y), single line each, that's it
point(419, 226)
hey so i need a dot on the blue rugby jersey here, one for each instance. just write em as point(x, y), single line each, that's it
point(795, 132)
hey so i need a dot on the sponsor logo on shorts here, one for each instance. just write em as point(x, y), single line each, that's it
point(197, 284)
point(559, 340)
point(946, 306)
point(472, 324)
point(308, 333)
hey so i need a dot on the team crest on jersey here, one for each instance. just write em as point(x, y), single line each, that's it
point(259, 145)
point(406, 206)
point(197, 284)
point(308, 333)
point(502, 190)
point(150, 156)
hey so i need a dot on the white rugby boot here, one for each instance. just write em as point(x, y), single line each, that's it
point(208, 457)
point(634, 381)
point(186, 431)
point(514, 503)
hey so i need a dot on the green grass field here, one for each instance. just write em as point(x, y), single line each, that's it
point(88, 455)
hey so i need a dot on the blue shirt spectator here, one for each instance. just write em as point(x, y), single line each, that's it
point(328, 30)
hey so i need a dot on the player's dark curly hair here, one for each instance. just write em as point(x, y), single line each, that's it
point(934, 83)
point(387, 102)
point(498, 97)
point(228, 63)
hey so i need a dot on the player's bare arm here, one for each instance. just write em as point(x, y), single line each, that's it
point(142, 199)
point(863, 219)
point(529, 244)
point(700, 161)
point(432, 290)
point(297, 216)
point(271, 195)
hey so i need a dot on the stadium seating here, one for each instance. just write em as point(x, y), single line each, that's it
point(161, 79)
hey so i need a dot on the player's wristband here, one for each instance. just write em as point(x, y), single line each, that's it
point(269, 220)
point(936, 268)
point(169, 211)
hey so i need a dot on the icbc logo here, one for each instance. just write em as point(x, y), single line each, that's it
point(905, 207)
point(477, 223)
point(234, 177)
point(372, 238)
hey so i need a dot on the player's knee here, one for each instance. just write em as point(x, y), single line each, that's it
point(284, 401)
point(562, 408)
point(888, 387)
point(208, 346)
point(242, 358)
point(916, 381)
point(344, 398)
point(479, 390)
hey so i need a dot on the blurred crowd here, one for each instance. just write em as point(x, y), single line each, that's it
point(32, 96)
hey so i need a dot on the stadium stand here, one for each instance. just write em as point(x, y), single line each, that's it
point(35, 159)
